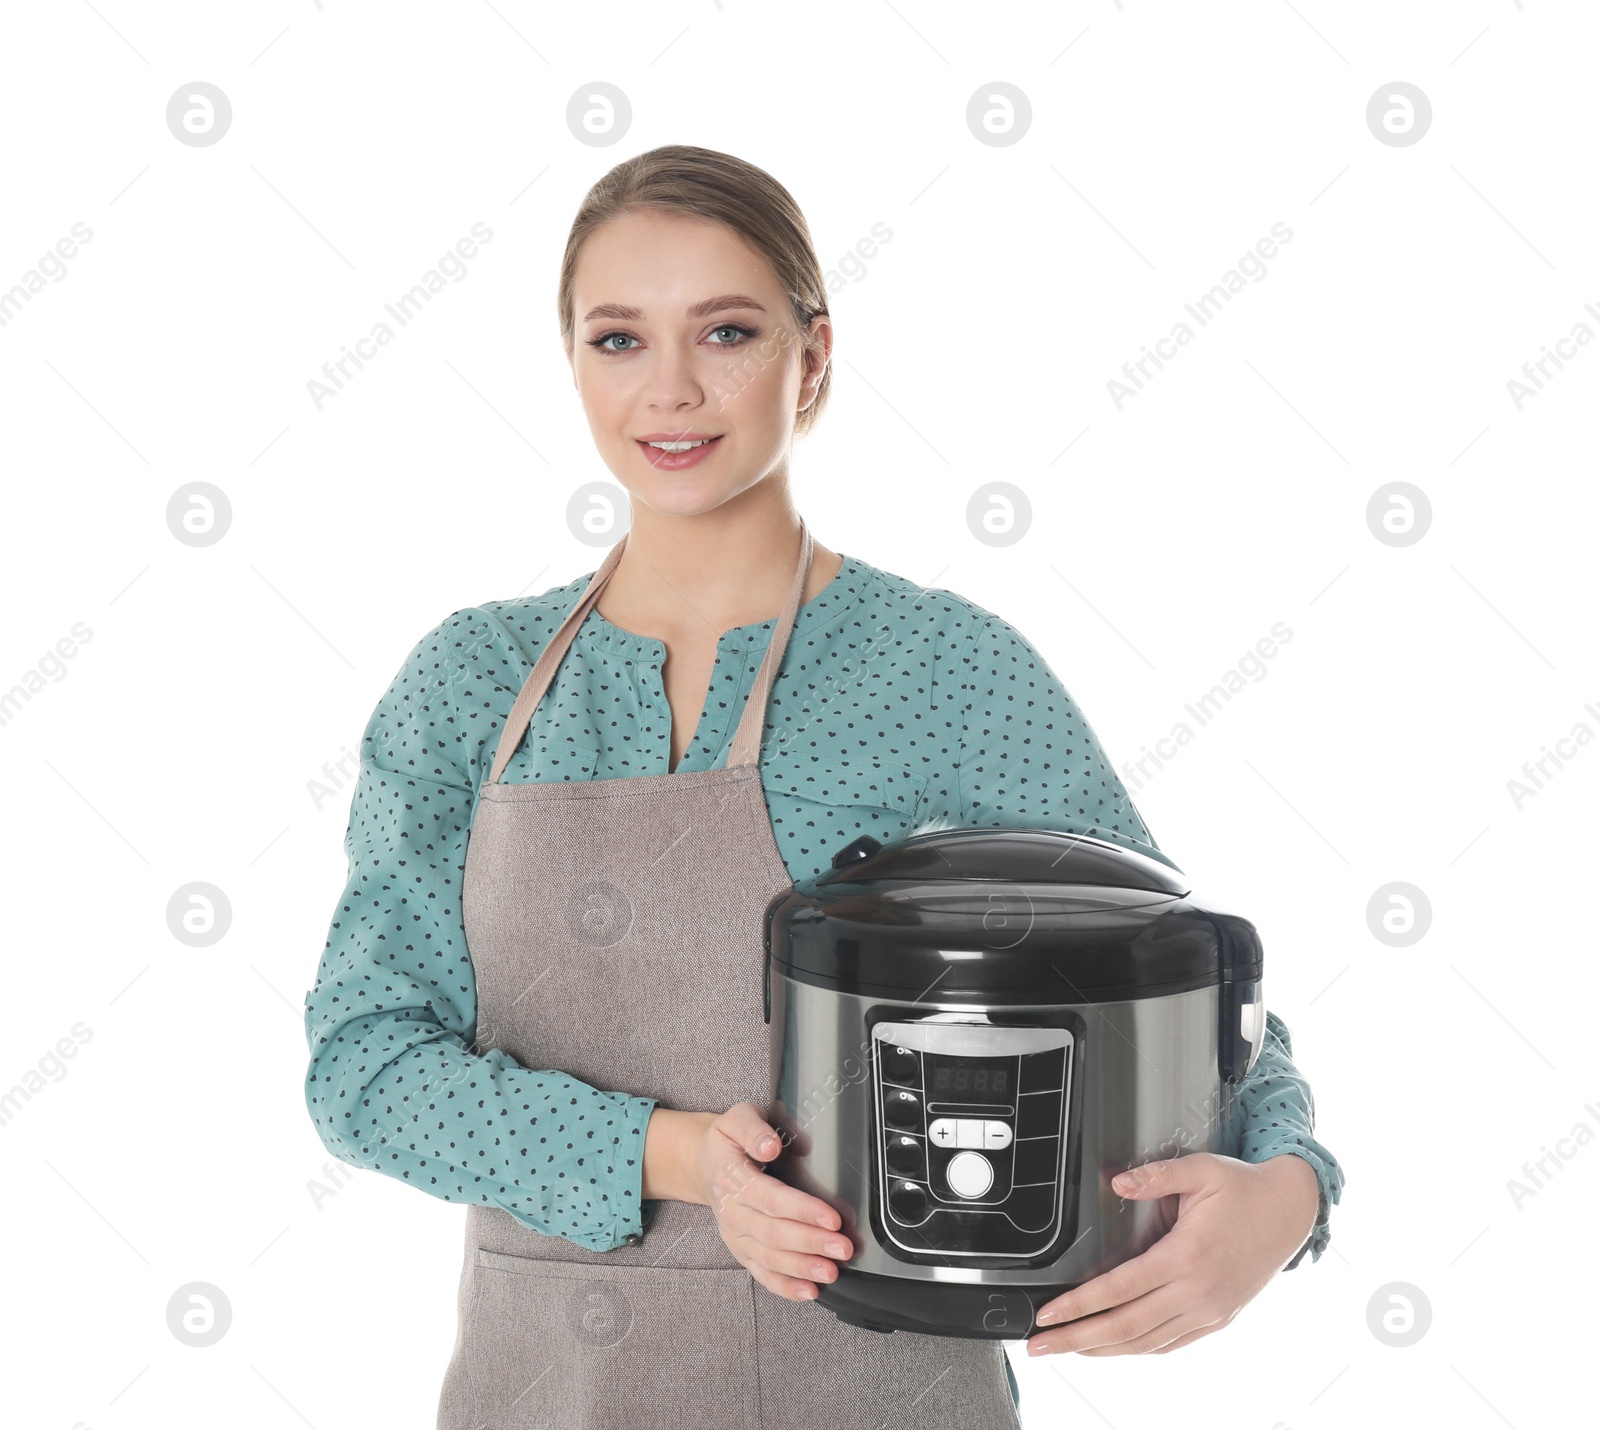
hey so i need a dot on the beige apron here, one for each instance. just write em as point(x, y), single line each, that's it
point(615, 932)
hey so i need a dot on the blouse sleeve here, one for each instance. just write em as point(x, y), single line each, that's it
point(1274, 1113)
point(1028, 757)
point(395, 1083)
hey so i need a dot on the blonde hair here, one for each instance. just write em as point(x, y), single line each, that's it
point(703, 183)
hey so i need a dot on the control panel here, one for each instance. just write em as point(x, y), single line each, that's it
point(971, 1132)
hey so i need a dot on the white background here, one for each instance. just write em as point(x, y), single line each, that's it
point(180, 742)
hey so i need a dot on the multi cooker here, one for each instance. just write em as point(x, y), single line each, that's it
point(973, 1031)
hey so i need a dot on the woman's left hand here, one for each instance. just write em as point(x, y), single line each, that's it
point(1234, 1226)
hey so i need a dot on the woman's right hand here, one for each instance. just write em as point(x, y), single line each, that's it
point(782, 1235)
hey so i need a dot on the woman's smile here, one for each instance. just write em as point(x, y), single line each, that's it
point(674, 455)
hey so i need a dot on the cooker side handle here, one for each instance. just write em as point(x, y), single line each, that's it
point(1241, 1008)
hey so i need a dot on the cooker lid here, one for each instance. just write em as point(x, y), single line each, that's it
point(991, 915)
point(1013, 856)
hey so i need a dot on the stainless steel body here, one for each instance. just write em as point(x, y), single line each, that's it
point(1142, 1085)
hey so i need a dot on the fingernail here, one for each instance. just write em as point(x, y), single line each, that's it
point(769, 1144)
point(1047, 1318)
point(1037, 1348)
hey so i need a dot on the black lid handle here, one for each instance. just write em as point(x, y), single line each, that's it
point(853, 853)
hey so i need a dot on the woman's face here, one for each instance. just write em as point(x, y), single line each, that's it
point(682, 332)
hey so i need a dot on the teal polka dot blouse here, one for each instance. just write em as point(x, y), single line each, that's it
point(901, 709)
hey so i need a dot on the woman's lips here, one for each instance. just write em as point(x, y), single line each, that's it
point(677, 461)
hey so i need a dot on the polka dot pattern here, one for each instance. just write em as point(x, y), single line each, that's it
point(897, 709)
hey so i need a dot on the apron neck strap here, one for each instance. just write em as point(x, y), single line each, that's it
point(746, 748)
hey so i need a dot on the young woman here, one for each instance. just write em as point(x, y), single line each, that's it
point(541, 993)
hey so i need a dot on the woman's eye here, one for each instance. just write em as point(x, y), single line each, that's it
point(740, 334)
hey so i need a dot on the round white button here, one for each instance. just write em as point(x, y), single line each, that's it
point(969, 1174)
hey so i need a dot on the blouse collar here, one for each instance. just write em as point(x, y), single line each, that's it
point(834, 598)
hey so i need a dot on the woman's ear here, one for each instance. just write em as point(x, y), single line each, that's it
point(816, 352)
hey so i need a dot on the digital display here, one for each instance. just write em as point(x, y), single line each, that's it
point(969, 1077)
